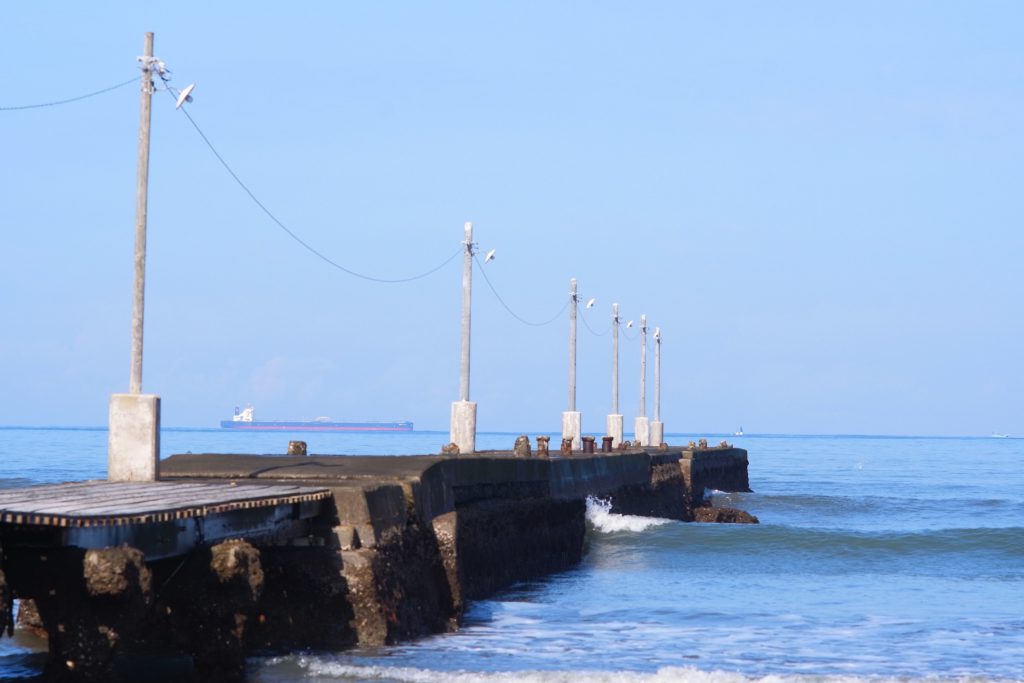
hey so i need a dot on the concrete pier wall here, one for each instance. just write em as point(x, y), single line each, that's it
point(481, 523)
point(722, 469)
point(407, 542)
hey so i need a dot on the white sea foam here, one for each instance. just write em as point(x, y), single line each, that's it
point(604, 520)
point(321, 668)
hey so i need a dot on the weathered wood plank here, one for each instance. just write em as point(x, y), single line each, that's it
point(100, 503)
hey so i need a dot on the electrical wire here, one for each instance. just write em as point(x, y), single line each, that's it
point(70, 99)
point(295, 237)
point(490, 285)
point(582, 316)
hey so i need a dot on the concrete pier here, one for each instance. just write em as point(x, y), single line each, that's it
point(104, 568)
point(375, 550)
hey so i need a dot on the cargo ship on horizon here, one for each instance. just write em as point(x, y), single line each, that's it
point(243, 420)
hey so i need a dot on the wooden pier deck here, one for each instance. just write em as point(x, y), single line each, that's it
point(162, 519)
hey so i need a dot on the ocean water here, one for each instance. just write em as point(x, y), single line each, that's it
point(877, 559)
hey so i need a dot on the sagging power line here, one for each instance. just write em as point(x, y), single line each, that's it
point(69, 100)
point(590, 329)
point(515, 315)
point(313, 250)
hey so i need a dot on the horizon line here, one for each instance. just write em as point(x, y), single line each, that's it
point(88, 428)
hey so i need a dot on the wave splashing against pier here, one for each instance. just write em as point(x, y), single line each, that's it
point(603, 520)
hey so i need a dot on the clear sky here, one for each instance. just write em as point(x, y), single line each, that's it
point(819, 203)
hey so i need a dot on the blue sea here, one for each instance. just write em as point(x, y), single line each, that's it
point(877, 559)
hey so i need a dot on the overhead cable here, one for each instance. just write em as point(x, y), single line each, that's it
point(583, 317)
point(294, 236)
point(556, 316)
point(70, 99)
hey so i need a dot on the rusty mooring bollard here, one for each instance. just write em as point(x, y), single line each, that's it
point(521, 449)
point(606, 444)
point(566, 447)
point(296, 448)
point(542, 446)
point(588, 444)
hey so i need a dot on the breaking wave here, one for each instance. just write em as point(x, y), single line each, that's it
point(319, 668)
point(601, 517)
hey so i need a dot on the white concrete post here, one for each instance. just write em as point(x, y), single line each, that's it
point(615, 418)
point(463, 424)
point(571, 419)
point(463, 431)
point(657, 429)
point(133, 446)
point(641, 429)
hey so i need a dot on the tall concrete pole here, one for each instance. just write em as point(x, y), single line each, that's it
point(643, 366)
point(141, 196)
point(572, 343)
point(133, 445)
point(467, 313)
point(615, 418)
point(571, 418)
point(615, 359)
point(463, 424)
point(657, 373)
point(641, 429)
point(657, 430)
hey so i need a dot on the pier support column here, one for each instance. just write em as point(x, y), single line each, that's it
point(641, 432)
point(463, 431)
point(92, 604)
point(571, 428)
point(6, 601)
point(615, 429)
point(657, 433)
point(133, 446)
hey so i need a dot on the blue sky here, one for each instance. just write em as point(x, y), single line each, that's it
point(818, 203)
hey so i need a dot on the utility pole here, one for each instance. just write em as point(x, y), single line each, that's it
point(141, 202)
point(133, 452)
point(615, 418)
point(573, 298)
point(657, 430)
point(463, 424)
point(641, 430)
point(467, 313)
point(571, 418)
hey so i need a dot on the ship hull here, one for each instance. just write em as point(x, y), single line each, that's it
point(284, 426)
